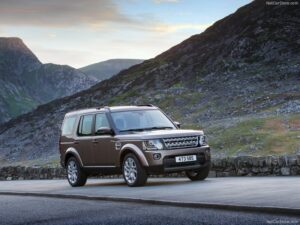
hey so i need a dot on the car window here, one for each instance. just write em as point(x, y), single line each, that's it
point(141, 119)
point(101, 121)
point(68, 125)
point(86, 125)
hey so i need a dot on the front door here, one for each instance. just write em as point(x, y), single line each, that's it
point(103, 145)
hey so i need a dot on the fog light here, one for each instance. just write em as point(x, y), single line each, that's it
point(156, 156)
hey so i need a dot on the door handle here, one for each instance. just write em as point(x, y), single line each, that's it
point(95, 141)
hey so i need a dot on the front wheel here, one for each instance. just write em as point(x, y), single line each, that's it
point(133, 172)
point(75, 174)
point(200, 174)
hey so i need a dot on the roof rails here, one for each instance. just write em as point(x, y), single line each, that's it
point(105, 107)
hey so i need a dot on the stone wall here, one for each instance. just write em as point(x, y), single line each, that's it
point(257, 166)
point(234, 166)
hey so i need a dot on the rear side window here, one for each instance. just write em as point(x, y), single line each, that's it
point(86, 125)
point(68, 125)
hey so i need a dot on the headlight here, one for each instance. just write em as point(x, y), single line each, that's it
point(155, 144)
point(202, 140)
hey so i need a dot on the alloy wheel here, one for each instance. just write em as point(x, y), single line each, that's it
point(72, 172)
point(130, 170)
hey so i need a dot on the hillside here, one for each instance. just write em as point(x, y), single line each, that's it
point(26, 83)
point(238, 80)
point(106, 69)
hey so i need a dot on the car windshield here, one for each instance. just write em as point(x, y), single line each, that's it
point(140, 120)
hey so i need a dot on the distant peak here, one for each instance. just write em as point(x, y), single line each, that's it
point(12, 42)
point(15, 46)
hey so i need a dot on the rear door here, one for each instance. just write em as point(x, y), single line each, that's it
point(84, 139)
point(67, 136)
point(104, 146)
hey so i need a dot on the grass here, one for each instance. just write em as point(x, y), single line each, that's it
point(263, 136)
point(19, 104)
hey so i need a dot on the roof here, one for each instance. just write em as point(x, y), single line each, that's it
point(112, 109)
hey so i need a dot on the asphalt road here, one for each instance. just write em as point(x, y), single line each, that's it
point(38, 210)
point(281, 192)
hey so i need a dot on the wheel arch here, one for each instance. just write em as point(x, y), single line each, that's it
point(131, 148)
point(72, 152)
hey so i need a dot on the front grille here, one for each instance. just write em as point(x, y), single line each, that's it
point(181, 142)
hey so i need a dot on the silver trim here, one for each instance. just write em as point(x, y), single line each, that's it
point(99, 166)
point(181, 142)
point(67, 142)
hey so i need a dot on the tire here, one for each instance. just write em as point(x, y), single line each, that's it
point(200, 174)
point(133, 172)
point(75, 175)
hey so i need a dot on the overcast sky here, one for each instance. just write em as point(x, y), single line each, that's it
point(82, 32)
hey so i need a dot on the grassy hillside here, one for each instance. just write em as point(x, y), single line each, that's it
point(26, 83)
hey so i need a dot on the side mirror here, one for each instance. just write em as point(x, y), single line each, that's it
point(177, 124)
point(104, 131)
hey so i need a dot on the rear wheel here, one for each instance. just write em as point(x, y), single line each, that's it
point(201, 174)
point(133, 172)
point(75, 174)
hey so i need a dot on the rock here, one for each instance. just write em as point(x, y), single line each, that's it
point(242, 172)
point(295, 170)
point(292, 160)
point(285, 171)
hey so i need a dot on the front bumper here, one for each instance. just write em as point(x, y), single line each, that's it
point(167, 164)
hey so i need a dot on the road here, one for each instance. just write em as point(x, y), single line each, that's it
point(43, 211)
point(273, 192)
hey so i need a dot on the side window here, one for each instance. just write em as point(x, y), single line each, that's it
point(68, 126)
point(101, 121)
point(86, 125)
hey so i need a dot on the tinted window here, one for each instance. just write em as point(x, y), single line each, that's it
point(85, 126)
point(68, 125)
point(101, 121)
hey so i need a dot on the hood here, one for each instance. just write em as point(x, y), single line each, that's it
point(154, 134)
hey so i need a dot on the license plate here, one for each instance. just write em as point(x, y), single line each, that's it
point(185, 158)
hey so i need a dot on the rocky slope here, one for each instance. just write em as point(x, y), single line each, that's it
point(106, 69)
point(25, 82)
point(239, 80)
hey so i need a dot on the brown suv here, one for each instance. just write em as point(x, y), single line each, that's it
point(133, 140)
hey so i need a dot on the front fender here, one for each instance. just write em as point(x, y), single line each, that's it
point(137, 151)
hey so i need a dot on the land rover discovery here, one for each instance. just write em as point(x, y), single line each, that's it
point(135, 141)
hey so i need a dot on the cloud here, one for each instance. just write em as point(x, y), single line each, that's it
point(51, 35)
point(60, 13)
point(168, 28)
point(96, 14)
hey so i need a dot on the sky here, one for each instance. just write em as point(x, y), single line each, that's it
point(82, 32)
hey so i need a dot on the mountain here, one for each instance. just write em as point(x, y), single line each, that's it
point(239, 80)
point(26, 83)
point(106, 69)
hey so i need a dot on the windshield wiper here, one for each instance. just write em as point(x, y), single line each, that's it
point(137, 129)
point(158, 128)
point(146, 128)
